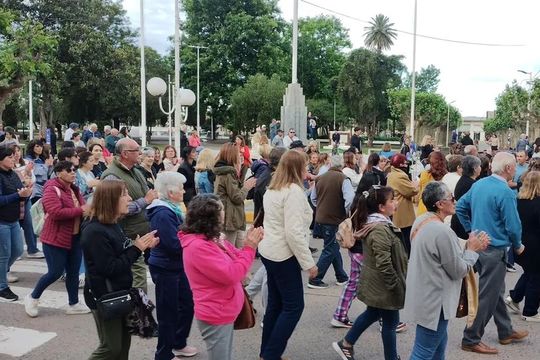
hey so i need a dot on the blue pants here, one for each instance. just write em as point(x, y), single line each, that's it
point(330, 255)
point(11, 247)
point(429, 344)
point(528, 287)
point(60, 259)
point(285, 305)
point(174, 307)
point(390, 320)
point(28, 229)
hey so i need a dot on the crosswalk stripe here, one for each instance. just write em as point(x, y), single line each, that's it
point(49, 299)
point(19, 341)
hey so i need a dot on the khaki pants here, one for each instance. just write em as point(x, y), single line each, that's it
point(114, 339)
point(235, 237)
point(139, 274)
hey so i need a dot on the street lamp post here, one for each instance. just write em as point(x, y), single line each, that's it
point(529, 92)
point(198, 47)
point(413, 77)
point(143, 79)
point(448, 122)
point(183, 99)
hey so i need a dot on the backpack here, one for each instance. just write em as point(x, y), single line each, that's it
point(38, 214)
point(344, 234)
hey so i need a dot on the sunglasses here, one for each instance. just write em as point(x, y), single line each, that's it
point(292, 132)
point(70, 170)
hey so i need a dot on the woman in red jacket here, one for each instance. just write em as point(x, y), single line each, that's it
point(64, 207)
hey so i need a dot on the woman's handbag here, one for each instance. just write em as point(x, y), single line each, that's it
point(115, 305)
point(246, 318)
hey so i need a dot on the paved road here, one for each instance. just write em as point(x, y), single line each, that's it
point(55, 336)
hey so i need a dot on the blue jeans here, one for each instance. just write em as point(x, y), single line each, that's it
point(28, 229)
point(429, 344)
point(174, 307)
point(390, 320)
point(528, 287)
point(330, 255)
point(285, 305)
point(60, 259)
point(11, 247)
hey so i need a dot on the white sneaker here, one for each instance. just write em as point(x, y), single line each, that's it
point(513, 306)
point(187, 351)
point(77, 309)
point(81, 281)
point(534, 318)
point(31, 306)
point(36, 255)
point(12, 278)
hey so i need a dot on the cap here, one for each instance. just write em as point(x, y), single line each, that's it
point(297, 144)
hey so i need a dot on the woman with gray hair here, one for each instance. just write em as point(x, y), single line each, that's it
point(174, 300)
point(470, 170)
point(437, 267)
point(146, 160)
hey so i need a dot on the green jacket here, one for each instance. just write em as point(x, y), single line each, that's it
point(229, 189)
point(135, 224)
point(382, 280)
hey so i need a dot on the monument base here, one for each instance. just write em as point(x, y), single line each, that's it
point(294, 111)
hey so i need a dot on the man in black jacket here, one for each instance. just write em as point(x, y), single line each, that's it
point(189, 154)
point(355, 139)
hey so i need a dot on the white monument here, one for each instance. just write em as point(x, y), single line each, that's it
point(294, 110)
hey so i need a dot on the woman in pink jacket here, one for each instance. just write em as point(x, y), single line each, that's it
point(215, 269)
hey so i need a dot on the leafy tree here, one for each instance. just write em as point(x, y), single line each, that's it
point(511, 110)
point(380, 34)
point(256, 102)
point(94, 72)
point(427, 80)
point(363, 84)
point(243, 38)
point(321, 56)
point(431, 109)
point(323, 109)
point(24, 49)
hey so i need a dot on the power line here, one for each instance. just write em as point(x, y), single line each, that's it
point(410, 33)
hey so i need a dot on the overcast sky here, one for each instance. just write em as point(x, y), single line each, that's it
point(471, 75)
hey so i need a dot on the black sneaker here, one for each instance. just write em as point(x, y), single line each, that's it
point(317, 284)
point(346, 353)
point(7, 295)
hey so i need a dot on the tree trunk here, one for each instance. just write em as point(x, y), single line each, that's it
point(45, 109)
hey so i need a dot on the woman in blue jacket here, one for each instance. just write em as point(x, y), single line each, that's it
point(174, 300)
point(42, 167)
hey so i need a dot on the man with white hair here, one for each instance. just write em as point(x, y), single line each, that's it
point(332, 196)
point(90, 133)
point(471, 150)
point(490, 205)
point(107, 130)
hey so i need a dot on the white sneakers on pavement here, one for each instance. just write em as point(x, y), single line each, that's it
point(512, 306)
point(77, 309)
point(187, 351)
point(36, 255)
point(31, 306)
point(12, 278)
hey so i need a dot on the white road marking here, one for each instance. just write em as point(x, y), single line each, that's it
point(18, 341)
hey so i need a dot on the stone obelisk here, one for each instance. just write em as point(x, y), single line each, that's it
point(294, 110)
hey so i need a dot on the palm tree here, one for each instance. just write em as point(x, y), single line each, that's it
point(380, 35)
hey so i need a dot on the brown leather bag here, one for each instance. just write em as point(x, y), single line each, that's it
point(246, 318)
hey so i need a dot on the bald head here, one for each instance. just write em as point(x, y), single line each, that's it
point(125, 144)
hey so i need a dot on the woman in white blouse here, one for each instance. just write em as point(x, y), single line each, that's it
point(285, 252)
point(349, 169)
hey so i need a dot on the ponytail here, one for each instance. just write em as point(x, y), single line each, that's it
point(368, 202)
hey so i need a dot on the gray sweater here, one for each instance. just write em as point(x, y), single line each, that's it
point(436, 269)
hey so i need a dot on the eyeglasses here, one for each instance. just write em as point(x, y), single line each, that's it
point(133, 150)
point(451, 198)
point(292, 132)
point(70, 170)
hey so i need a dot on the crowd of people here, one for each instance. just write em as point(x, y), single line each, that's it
point(111, 210)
